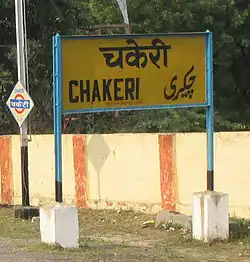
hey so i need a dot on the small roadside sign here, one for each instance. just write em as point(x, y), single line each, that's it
point(20, 103)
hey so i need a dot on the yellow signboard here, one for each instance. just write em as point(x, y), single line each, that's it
point(102, 72)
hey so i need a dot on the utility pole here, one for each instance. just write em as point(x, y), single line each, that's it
point(22, 77)
point(22, 64)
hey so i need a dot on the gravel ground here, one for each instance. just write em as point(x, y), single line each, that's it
point(114, 236)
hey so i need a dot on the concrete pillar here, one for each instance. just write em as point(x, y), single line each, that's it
point(59, 225)
point(210, 216)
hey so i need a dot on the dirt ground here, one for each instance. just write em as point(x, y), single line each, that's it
point(114, 236)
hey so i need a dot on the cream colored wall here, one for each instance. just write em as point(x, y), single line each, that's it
point(42, 169)
point(16, 170)
point(232, 169)
point(190, 168)
point(124, 167)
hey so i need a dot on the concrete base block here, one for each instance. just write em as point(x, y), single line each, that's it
point(210, 218)
point(59, 225)
point(26, 212)
point(165, 216)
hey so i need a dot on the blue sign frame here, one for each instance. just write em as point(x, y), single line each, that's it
point(58, 110)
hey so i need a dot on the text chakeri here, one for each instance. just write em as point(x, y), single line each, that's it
point(119, 89)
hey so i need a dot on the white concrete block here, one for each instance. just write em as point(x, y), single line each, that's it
point(210, 216)
point(59, 225)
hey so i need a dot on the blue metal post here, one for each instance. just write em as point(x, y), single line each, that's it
point(57, 104)
point(210, 112)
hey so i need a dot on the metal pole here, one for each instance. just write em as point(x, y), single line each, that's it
point(128, 29)
point(22, 77)
point(210, 115)
point(57, 101)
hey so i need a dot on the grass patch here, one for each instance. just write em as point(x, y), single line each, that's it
point(10, 227)
point(111, 235)
point(239, 228)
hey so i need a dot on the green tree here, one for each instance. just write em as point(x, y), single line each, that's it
point(44, 19)
point(229, 22)
point(227, 19)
